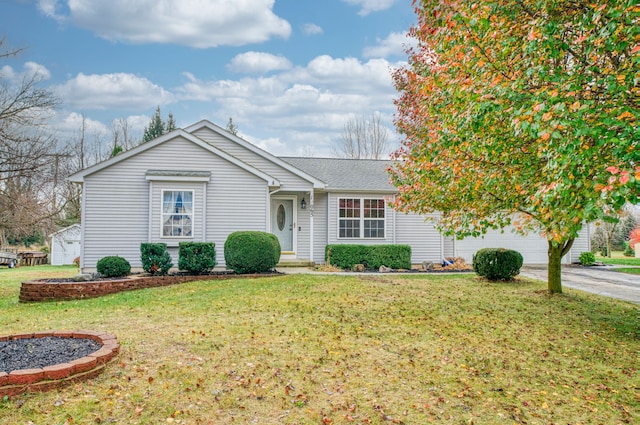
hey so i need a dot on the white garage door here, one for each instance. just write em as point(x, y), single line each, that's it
point(532, 247)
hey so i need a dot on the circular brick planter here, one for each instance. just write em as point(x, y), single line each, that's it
point(56, 376)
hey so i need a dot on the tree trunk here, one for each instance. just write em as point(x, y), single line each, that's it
point(554, 271)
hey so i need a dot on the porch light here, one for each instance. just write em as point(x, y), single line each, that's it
point(303, 204)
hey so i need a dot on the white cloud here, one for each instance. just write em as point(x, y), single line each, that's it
point(368, 6)
point(71, 123)
point(303, 106)
point(258, 62)
point(311, 29)
point(29, 70)
point(395, 44)
point(103, 91)
point(195, 23)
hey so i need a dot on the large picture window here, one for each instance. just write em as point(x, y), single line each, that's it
point(361, 218)
point(177, 213)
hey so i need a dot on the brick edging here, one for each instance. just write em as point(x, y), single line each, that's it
point(41, 290)
point(56, 376)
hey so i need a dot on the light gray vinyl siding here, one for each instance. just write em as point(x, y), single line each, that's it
point(581, 244)
point(117, 206)
point(425, 240)
point(320, 223)
point(289, 181)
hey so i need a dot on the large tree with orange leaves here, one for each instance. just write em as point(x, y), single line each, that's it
point(520, 112)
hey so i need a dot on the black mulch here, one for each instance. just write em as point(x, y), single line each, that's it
point(34, 353)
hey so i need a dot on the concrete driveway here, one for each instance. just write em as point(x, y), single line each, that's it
point(602, 280)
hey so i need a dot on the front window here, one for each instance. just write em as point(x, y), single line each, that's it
point(361, 218)
point(177, 213)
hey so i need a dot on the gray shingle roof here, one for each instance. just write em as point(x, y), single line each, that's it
point(346, 174)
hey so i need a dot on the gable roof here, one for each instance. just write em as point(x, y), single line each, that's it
point(317, 183)
point(347, 174)
point(80, 175)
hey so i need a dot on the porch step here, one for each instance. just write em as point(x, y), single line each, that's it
point(296, 263)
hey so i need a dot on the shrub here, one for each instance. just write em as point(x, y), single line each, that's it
point(497, 263)
point(346, 256)
point(113, 266)
point(628, 251)
point(155, 258)
point(587, 258)
point(251, 251)
point(197, 257)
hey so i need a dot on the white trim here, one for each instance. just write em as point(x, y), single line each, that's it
point(318, 184)
point(312, 201)
point(204, 211)
point(178, 178)
point(193, 214)
point(361, 219)
point(150, 214)
point(80, 175)
point(290, 255)
point(83, 220)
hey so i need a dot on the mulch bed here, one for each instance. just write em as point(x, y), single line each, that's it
point(34, 353)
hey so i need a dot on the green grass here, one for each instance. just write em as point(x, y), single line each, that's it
point(618, 258)
point(322, 349)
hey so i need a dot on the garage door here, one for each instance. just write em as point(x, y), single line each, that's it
point(532, 247)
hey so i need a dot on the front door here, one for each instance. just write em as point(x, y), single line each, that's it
point(283, 224)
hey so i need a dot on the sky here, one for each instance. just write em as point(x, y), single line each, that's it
point(290, 73)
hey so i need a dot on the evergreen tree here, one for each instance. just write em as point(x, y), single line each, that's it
point(157, 126)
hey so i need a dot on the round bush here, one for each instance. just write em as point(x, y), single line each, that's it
point(155, 258)
point(251, 251)
point(113, 266)
point(497, 263)
point(587, 258)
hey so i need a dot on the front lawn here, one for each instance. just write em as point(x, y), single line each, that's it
point(618, 258)
point(327, 349)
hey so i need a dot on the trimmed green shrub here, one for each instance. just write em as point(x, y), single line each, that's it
point(155, 258)
point(587, 258)
point(197, 257)
point(113, 266)
point(345, 256)
point(497, 263)
point(251, 251)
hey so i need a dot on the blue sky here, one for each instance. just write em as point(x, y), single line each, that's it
point(289, 72)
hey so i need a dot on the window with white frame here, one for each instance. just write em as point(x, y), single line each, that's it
point(361, 218)
point(177, 213)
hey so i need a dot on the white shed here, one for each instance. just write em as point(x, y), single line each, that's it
point(65, 245)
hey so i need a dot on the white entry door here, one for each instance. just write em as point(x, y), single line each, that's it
point(283, 224)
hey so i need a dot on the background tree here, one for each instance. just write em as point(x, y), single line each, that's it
point(231, 127)
point(520, 112)
point(27, 154)
point(157, 126)
point(363, 137)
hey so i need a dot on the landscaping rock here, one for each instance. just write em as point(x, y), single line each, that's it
point(427, 265)
point(385, 269)
point(358, 268)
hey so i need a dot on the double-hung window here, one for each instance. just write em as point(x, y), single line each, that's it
point(177, 213)
point(361, 218)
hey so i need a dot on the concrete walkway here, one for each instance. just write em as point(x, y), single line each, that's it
point(601, 280)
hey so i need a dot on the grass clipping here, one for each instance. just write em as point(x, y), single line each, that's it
point(329, 349)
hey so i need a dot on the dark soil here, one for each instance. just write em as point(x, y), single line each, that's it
point(35, 353)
